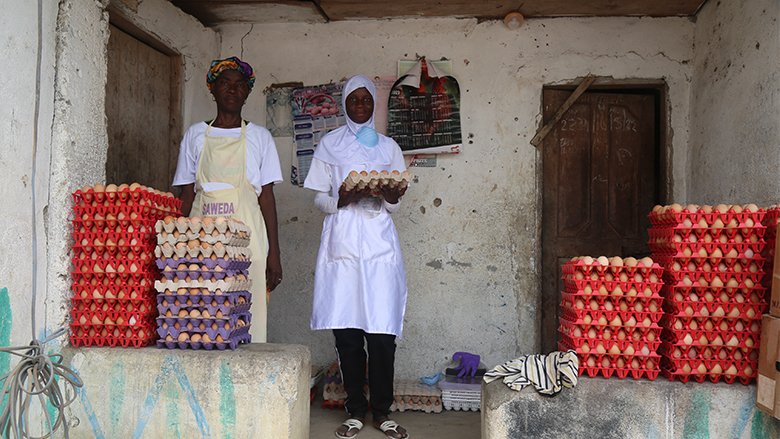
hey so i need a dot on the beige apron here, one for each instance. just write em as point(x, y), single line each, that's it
point(223, 159)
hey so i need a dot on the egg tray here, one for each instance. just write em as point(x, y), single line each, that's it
point(669, 235)
point(577, 343)
point(575, 285)
point(137, 194)
point(133, 212)
point(143, 306)
point(734, 310)
point(674, 371)
point(191, 228)
point(111, 317)
point(744, 289)
point(88, 223)
point(673, 218)
point(705, 250)
point(231, 344)
point(147, 274)
point(681, 322)
point(207, 264)
point(111, 341)
point(219, 251)
point(636, 333)
point(113, 263)
point(119, 239)
point(707, 278)
point(81, 257)
point(233, 240)
point(213, 286)
point(227, 304)
point(591, 317)
point(572, 267)
point(204, 275)
point(226, 327)
point(111, 292)
point(742, 339)
point(598, 366)
point(571, 300)
point(143, 330)
point(707, 352)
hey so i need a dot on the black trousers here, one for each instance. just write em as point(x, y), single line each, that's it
point(352, 360)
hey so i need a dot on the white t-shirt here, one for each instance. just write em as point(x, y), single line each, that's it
point(262, 160)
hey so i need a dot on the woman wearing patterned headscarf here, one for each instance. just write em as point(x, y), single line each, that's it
point(228, 167)
point(359, 282)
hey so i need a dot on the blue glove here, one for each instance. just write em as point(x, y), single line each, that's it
point(431, 379)
point(469, 363)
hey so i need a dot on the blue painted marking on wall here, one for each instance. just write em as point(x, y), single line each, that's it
point(743, 416)
point(91, 417)
point(116, 394)
point(172, 409)
point(151, 400)
point(6, 323)
point(227, 401)
point(192, 399)
point(697, 420)
point(760, 427)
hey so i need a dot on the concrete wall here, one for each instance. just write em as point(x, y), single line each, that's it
point(735, 102)
point(472, 261)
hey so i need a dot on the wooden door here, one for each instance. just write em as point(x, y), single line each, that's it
point(600, 180)
point(141, 112)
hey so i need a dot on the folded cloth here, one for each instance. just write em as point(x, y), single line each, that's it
point(548, 373)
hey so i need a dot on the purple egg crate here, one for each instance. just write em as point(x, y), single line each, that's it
point(208, 263)
point(230, 343)
point(225, 328)
point(233, 302)
point(206, 275)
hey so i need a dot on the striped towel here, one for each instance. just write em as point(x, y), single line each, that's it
point(548, 373)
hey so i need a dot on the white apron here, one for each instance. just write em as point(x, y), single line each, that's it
point(360, 280)
point(223, 159)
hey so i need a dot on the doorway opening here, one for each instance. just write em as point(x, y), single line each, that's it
point(143, 106)
point(604, 166)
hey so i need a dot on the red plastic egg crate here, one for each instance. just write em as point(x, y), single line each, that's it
point(113, 301)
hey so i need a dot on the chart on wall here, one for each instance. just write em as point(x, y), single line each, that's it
point(424, 111)
point(316, 110)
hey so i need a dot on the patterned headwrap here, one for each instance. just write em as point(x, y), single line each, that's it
point(233, 63)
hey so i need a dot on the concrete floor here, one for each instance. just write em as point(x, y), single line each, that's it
point(444, 425)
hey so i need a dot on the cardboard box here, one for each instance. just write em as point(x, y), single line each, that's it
point(768, 388)
point(774, 300)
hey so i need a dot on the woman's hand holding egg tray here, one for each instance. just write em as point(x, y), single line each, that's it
point(388, 185)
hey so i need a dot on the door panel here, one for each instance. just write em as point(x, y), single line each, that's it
point(600, 179)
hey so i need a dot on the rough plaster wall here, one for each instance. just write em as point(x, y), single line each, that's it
point(19, 46)
point(472, 260)
point(735, 102)
point(79, 142)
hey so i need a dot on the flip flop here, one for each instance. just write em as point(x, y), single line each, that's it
point(350, 423)
point(392, 426)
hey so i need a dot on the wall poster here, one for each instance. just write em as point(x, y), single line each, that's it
point(424, 111)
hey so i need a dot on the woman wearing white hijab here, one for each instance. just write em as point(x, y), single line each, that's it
point(360, 282)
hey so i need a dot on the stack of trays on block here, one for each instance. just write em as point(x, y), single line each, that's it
point(461, 393)
point(610, 311)
point(203, 296)
point(713, 290)
point(113, 299)
point(413, 395)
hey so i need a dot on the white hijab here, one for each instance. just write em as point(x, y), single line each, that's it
point(341, 145)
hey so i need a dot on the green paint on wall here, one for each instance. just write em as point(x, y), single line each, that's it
point(759, 427)
point(697, 420)
point(5, 335)
point(116, 395)
point(172, 414)
point(227, 401)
